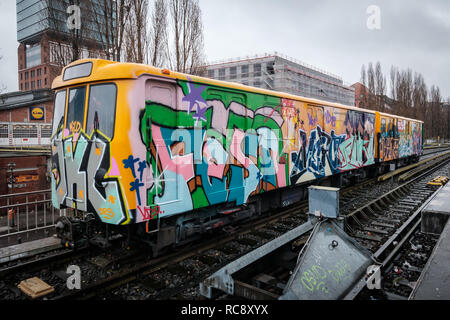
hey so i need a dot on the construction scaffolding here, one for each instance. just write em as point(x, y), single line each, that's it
point(281, 73)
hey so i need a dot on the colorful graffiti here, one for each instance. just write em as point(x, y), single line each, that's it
point(389, 139)
point(77, 162)
point(188, 146)
point(217, 146)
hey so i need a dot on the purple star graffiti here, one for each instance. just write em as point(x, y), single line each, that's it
point(200, 114)
point(194, 97)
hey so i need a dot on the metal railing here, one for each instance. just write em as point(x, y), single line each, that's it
point(22, 213)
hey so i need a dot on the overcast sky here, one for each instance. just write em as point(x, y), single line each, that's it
point(330, 34)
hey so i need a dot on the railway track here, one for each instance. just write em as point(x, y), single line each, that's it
point(375, 222)
point(387, 226)
point(176, 275)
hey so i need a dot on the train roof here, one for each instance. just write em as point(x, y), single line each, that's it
point(399, 117)
point(109, 70)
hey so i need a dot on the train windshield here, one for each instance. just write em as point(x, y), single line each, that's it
point(75, 109)
point(101, 109)
point(58, 114)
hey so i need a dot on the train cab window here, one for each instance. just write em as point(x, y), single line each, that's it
point(58, 114)
point(102, 101)
point(75, 109)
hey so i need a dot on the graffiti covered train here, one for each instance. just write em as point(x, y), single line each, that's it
point(171, 155)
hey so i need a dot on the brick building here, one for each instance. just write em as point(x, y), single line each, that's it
point(35, 68)
point(360, 94)
point(26, 118)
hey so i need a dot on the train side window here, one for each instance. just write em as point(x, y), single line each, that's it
point(75, 109)
point(161, 93)
point(58, 114)
point(102, 101)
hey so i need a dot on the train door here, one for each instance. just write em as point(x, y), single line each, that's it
point(402, 145)
point(395, 139)
point(269, 148)
point(74, 147)
point(165, 152)
point(227, 148)
point(316, 163)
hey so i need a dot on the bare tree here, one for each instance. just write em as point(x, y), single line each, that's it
point(435, 108)
point(380, 87)
point(69, 44)
point(410, 98)
point(136, 40)
point(2, 86)
point(419, 96)
point(184, 48)
point(110, 18)
point(393, 78)
point(371, 87)
point(158, 34)
point(66, 44)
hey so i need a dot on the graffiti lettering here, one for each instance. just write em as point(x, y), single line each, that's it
point(340, 272)
point(149, 213)
point(312, 279)
point(330, 118)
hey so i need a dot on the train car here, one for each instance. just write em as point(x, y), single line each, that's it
point(168, 156)
point(399, 139)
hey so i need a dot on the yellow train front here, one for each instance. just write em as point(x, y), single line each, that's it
point(164, 157)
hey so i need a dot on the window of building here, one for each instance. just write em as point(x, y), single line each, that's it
point(233, 72)
point(244, 71)
point(21, 76)
point(38, 83)
point(24, 131)
point(46, 131)
point(26, 85)
point(32, 73)
point(26, 75)
point(222, 74)
point(257, 69)
point(32, 84)
point(257, 83)
point(102, 105)
point(45, 81)
point(21, 86)
point(3, 131)
point(211, 74)
point(45, 70)
point(33, 56)
point(38, 72)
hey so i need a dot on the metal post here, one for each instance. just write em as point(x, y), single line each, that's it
point(26, 213)
point(35, 214)
point(45, 210)
point(18, 218)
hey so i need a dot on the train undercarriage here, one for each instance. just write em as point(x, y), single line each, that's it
point(80, 229)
